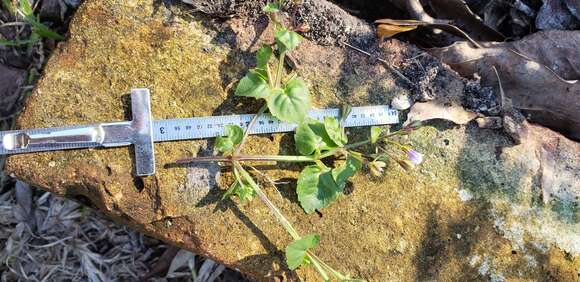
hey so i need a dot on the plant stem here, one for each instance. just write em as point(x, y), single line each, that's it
point(336, 274)
point(250, 125)
point(280, 69)
point(317, 265)
point(316, 262)
point(285, 223)
point(270, 82)
point(242, 158)
point(269, 158)
point(349, 146)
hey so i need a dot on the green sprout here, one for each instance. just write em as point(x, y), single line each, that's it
point(286, 97)
point(26, 12)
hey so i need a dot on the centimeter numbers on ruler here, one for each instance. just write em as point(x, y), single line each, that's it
point(213, 126)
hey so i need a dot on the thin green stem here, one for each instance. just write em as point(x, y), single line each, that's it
point(335, 273)
point(397, 144)
point(269, 71)
point(285, 223)
point(321, 164)
point(269, 158)
point(242, 158)
point(250, 125)
point(349, 146)
point(316, 262)
point(317, 265)
point(280, 69)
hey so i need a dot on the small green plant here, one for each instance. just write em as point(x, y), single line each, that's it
point(24, 10)
point(287, 98)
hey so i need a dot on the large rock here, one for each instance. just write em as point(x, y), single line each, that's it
point(470, 211)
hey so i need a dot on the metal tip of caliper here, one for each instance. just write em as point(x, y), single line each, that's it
point(15, 141)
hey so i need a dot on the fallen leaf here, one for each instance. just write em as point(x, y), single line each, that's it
point(23, 209)
point(168, 263)
point(388, 31)
point(557, 49)
point(435, 110)
point(555, 15)
point(181, 259)
point(390, 27)
point(547, 98)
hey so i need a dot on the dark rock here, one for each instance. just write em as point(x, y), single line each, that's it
point(489, 122)
point(53, 10)
point(11, 79)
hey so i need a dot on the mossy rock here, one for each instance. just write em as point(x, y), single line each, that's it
point(402, 226)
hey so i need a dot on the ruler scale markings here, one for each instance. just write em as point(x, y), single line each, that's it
point(125, 133)
point(206, 127)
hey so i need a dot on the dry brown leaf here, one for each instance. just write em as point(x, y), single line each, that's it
point(392, 27)
point(547, 98)
point(435, 110)
point(389, 27)
point(388, 31)
point(557, 49)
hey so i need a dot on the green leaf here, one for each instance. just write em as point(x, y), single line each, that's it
point(243, 191)
point(262, 73)
point(12, 43)
point(316, 188)
point(4, 42)
point(271, 8)
point(296, 252)
point(287, 40)
point(305, 140)
point(263, 56)
point(42, 30)
point(348, 169)
point(335, 131)
point(233, 136)
point(253, 85)
point(311, 137)
point(235, 133)
point(8, 6)
point(25, 8)
point(376, 133)
point(224, 144)
point(292, 103)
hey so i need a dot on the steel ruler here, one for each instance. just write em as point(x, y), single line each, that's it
point(142, 131)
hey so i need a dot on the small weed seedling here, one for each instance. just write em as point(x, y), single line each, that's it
point(288, 99)
point(25, 11)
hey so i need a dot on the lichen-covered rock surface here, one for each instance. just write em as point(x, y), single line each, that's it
point(471, 211)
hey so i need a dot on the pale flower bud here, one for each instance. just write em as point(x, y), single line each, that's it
point(377, 167)
point(415, 157)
